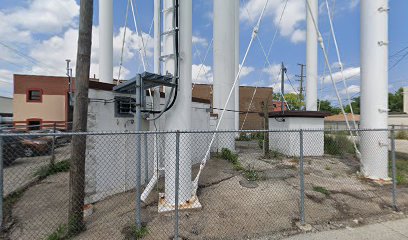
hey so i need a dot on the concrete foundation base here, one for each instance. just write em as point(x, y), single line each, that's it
point(164, 206)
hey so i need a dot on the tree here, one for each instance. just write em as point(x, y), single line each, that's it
point(355, 103)
point(291, 99)
point(325, 106)
point(77, 168)
point(396, 101)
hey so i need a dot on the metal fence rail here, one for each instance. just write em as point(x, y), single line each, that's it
point(302, 178)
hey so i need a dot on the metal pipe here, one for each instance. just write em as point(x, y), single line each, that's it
point(374, 88)
point(1, 182)
point(311, 55)
point(138, 121)
point(106, 41)
point(176, 183)
point(394, 170)
point(302, 180)
point(146, 158)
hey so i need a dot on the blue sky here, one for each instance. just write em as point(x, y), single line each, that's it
point(36, 36)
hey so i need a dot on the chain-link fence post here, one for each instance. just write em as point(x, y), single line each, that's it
point(176, 198)
point(394, 170)
point(52, 162)
point(1, 182)
point(302, 180)
point(146, 160)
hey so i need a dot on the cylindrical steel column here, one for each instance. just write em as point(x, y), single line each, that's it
point(311, 55)
point(224, 68)
point(106, 41)
point(374, 87)
point(236, 12)
point(179, 116)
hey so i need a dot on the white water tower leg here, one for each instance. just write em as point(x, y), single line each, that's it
point(311, 55)
point(106, 41)
point(224, 69)
point(374, 88)
point(236, 11)
point(179, 117)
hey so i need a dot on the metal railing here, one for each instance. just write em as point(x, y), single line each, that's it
point(308, 177)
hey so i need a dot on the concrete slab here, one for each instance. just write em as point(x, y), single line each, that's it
point(379, 231)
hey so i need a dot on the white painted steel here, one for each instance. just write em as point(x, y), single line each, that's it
point(224, 68)
point(311, 55)
point(236, 12)
point(156, 97)
point(374, 87)
point(179, 117)
point(106, 41)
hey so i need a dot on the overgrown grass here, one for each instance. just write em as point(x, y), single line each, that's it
point(133, 232)
point(251, 175)
point(322, 190)
point(232, 158)
point(274, 154)
point(59, 234)
point(338, 145)
point(401, 164)
point(402, 135)
point(49, 170)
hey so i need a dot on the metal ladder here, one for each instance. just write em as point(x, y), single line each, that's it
point(174, 30)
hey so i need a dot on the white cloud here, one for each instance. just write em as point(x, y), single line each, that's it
point(350, 73)
point(200, 41)
point(45, 16)
point(353, 4)
point(273, 70)
point(6, 83)
point(53, 51)
point(245, 71)
point(295, 14)
point(202, 73)
point(352, 89)
point(298, 36)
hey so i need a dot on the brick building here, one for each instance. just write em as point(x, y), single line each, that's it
point(42, 101)
point(253, 120)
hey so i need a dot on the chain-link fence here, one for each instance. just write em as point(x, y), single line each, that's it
point(193, 185)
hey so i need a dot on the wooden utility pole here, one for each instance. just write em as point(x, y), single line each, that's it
point(265, 109)
point(77, 168)
point(301, 78)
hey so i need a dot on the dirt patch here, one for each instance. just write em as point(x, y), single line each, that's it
point(229, 209)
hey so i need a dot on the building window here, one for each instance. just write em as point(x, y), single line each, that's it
point(34, 95)
point(124, 106)
point(34, 124)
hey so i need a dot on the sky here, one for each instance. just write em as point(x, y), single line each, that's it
point(36, 36)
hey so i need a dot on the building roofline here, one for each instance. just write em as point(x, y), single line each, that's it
point(246, 86)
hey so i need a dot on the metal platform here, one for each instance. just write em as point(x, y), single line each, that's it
point(148, 80)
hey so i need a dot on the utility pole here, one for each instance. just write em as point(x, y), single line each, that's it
point(301, 78)
point(283, 71)
point(77, 168)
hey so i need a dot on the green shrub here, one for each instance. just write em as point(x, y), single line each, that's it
point(338, 145)
point(251, 175)
point(321, 190)
point(402, 135)
point(49, 170)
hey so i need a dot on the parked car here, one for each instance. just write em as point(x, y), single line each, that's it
point(59, 139)
point(12, 147)
point(34, 145)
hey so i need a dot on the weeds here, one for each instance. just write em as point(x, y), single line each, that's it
point(59, 234)
point(49, 170)
point(401, 135)
point(251, 175)
point(322, 190)
point(133, 232)
point(232, 158)
point(328, 168)
point(338, 145)
point(244, 137)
